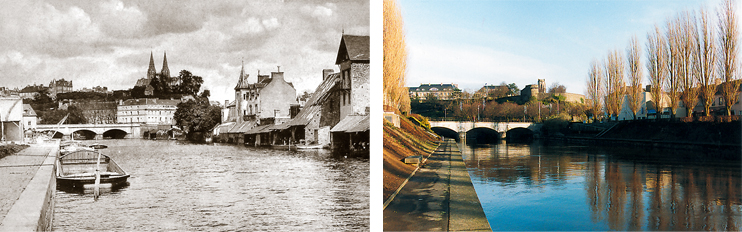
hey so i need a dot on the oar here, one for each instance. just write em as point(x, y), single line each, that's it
point(96, 191)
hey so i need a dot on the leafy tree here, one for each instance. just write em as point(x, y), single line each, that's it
point(190, 84)
point(197, 116)
point(514, 90)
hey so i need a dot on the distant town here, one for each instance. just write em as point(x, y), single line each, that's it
point(268, 112)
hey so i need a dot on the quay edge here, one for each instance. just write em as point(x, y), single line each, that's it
point(34, 209)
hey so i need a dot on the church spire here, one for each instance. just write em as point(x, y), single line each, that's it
point(151, 71)
point(165, 70)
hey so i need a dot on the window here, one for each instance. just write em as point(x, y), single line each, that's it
point(721, 101)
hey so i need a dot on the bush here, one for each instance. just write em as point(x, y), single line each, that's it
point(555, 123)
point(9, 149)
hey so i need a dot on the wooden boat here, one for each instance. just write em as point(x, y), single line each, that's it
point(98, 146)
point(77, 168)
point(308, 147)
point(71, 146)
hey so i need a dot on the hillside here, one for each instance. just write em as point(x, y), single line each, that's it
point(399, 143)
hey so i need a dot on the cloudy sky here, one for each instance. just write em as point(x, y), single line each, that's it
point(476, 42)
point(108, 43)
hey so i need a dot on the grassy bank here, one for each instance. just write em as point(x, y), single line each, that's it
point(409, 139)
point(9, 149)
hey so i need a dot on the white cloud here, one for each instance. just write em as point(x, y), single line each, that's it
point(472, 67)
point(120, 21)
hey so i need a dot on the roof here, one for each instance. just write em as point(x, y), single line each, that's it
point(355, 47)
point(32, 89)
point(311, 107)
point(151, 101)
point(259, 129)
point(223, 128)
point(351, 123)
point(433, 87)
point(241, 127)
point(11, 109)
point(362, 126)
point(28, 111)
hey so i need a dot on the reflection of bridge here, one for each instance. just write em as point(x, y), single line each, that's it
point(95, 131)
point(502, 128)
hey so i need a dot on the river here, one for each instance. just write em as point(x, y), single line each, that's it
point(542, 186)
point(214, 187)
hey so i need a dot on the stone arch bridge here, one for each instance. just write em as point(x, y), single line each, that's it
point(501, 130)
point(95, 131)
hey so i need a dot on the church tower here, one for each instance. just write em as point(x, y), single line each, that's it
point(151, 72)
point(240, 95)
point(165, 70)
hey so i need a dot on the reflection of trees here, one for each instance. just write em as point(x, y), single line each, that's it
point(680, 197)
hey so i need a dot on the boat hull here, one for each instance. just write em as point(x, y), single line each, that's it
point(78, 181)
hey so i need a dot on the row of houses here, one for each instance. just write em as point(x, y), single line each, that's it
point(336, 115)
point(649, 110)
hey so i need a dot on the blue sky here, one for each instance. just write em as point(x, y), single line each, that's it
point(476, 42)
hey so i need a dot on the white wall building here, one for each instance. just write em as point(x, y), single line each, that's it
point(150, 111)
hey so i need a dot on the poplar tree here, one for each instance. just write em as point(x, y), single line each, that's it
point(728, 69)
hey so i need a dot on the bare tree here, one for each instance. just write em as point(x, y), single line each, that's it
point(557, 88)
point(672, 85)
point(684, 32)
point(633, 56)
point(656, 65)
point(395, 58)
point(728, 35)
point(705, 69)
point(594, 89)
point(615, 67)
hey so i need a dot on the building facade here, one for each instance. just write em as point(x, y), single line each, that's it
point(440, 91)
point(149, 111)
point(59, 86)
point(29, 117)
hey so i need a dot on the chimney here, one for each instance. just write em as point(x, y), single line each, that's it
point(326, 72)
point(278, 75)
point(226, 103)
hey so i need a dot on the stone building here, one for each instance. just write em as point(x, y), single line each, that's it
point(59, 86)
point(29, 117)
point(150, 111)
point(31, 91)
point(350, 97)
point(440, 91)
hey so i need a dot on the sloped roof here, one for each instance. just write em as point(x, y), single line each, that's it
point(259, 129)
point(432, 87)
point(28, 111)
point(312, 106)
point(241, 127)
point(363, 125)
point(355, 47)
point(349, 122)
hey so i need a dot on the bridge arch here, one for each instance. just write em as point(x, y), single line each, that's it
point(84, 134)
point(483, 135)
point(446, 132)
point(114, 134)
point(519, 134)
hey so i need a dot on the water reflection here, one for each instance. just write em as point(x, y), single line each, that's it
point(558, 187)
point(184, 186)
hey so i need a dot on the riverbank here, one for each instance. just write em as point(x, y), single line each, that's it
point(399, 142)
point(439, 197)
point(712, 139)
point(9, 149)
point(27, 194)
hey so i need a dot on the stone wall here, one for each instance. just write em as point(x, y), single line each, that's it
point(360, 93)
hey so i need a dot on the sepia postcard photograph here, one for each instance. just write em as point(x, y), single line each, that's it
point(562, 115)
point(132, 115)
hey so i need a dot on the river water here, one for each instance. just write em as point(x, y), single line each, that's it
point(558, 187)
point(182, 186)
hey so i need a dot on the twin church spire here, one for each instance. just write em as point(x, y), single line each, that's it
point(151, 72)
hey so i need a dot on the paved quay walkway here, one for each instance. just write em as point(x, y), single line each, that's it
point(439, 197)
point(16, 171)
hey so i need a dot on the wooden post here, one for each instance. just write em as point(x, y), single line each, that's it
point(96, 191)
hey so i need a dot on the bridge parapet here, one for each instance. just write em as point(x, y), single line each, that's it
point(501, 127)
point(132, 130)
